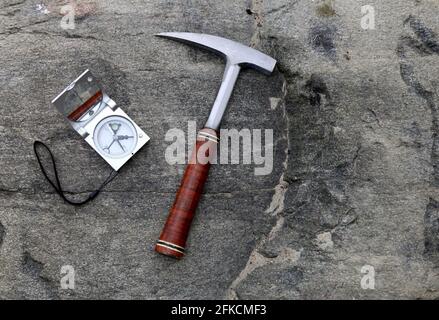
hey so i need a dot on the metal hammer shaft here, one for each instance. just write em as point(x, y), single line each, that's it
point(219, 107)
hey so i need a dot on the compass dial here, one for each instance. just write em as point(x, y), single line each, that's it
point(115, 137)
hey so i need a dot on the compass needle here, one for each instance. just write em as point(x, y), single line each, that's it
point(114, 127)
point(108, 148)
point(111, 129)
point(125, 137)
point(116, 130)
point(120, 144)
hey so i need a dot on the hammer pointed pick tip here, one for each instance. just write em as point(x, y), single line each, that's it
point(164, 34)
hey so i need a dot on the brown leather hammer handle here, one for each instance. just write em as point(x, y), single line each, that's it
point(172, 241)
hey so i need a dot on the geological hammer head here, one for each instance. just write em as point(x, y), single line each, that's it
point(237, 56)
point(234, 52)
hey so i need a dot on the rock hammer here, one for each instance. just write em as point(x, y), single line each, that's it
point(172, 241)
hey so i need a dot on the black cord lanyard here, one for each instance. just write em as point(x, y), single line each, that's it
point(57, 185)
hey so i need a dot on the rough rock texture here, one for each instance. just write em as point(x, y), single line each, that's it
point(356, 132)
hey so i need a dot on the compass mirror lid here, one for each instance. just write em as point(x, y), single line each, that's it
point(81, 99)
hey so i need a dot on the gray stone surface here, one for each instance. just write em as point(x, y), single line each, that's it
point(356, 172)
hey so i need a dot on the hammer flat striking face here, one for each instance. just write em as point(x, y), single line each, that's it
point(172, 240)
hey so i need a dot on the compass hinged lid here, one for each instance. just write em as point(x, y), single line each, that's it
point(79, 97)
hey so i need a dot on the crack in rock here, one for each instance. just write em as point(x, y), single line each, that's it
point(277, 202)
point(34, 268)
point(257, 260)
point(20, 29)
point(13, 4)
point(256, 11)
point(431, 231)
point(275, 208)
point(426, 44)
point(32, 192)
point(31, 266)
point(2, 234)
point(65, 35)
